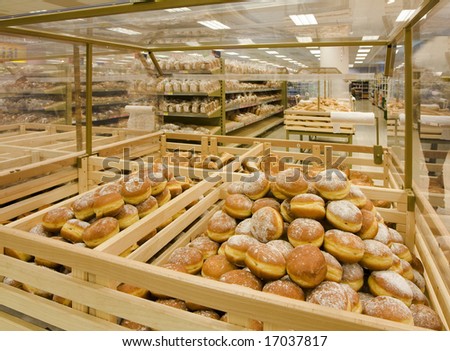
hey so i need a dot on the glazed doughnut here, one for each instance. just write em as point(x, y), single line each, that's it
point(174, 187)
point(291, 182)
point(236, 249)
point(396, 237)
point(330, 294)
point(100, 231)
point(133, 290)
point(344, 215)
point(83, 207)
point(308, 206)
point(113, 187)
point(73, 230)
point(332, 184)
point(369, 226)
point(383, 234)
point(157, 183)
point(136, 190)
point(377, 256)
point(388, 283)
point(306, 266)
point(425, 317)
point(127, 216)
point(39, 229)
point(285, 210)
point(356, 196)
point(175, 303)
point(418, 296)
point(243, 278)
point(208, 313)
point(276, 192)
point(221, 226)
point(334, 268)
point(238, 206)
point(54, 219)
point(401, 251)
point(147, 237)
point(256, 186)
point(146, 207)
point(108, 205)
point(281, 245)
point(267, 224)
point(189, 257)
point(265, 202)
point(163, 197)
point(266, 262)
point(215, 266)
point(419, 280)
point(353, 275)
point(133, 325)
point(353, 297)
point(244, 227)
point(345, 246)
point(305, 231)
point(205, 245)
point(284, 288)
point(387, 307)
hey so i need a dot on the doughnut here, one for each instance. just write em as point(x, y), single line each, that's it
point(396, 264)
point(356, 196)
point(235, 188)
point(39, 229)
point(419, 280)
point(17, 254)
point(401, 251)
point(416, 264)
point(281, 245)
point(251, 324)
point(363, 298)
point(208, 313)
point(73, 230)
point(425, 317)
point(157, 183)
point(236, 249)
point(345, 246)
point(418, 296)
point(238, 206)
point(305, 231)
point(12, 282)
point(334, 268)
point(163, 197)
point(243, 278)
point(62, 300)
point(306, 266)
point(388, 283)
point(83, 207)
point(357, 177)
point(129, 250)
point(265, 202)
point(369, 207)
point(133, 325)
point(205, 245)
point(100, 231)
point(267, 224)
point(175, 303)
point(189, 257)
point(308, 206)
point(127, 216)
point(284, 288)
point(256, 186)
point(396, 237)
point(276, 192)
point(108, 205)
point(178, 214)
point(271, 165)
point(353, 275)
point(369, 226)
point(291, 182)
point(133, 290)
point(332, 184)
point(285, 210)
point(36, 291)
point(54, 219)
point(49, 264)
point(147, 237)
point(222, 247)
point(158, 167)
point(174, 187)
point(266, 262)
point(184, 181)
point(330, 294)
point(215, 266)
point(387, 307)
point(244, 227)
point(136, 190)
point(407, 270)
point(383, 234)
point(353, 297)
point(113, 187)
point(344, 215)
point(146, 207)
point(377, 256)
point(221, 226)
point(382, 203)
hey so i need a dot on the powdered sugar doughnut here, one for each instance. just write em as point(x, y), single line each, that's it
point(330, 294)
point(207, 246)
point(345, 246)
point(244, 227)
point(265, 202)
point(344, 215)
point(236, 248)
point(256, 186)
point(221, 226)
point(334, 268)
point(425, 317)
point(306, 266)
point(389, 308)
point(281, 245)
point(215, 266)
point(284, 288)
point(369, 226)
point(418, 296)
point(266, 262)
point(377, 256)
point(189, 257)
point(308, 206)
point(291, 182)
point(305, 231)
point(356, 196)
point(238, 206)
point(243, 278)
point(83, 207)
point(353, 297)
point(383, 234)
point(267, 224)
point(388, 283)
point(401, 251)
point(332, 184)
point(285, 210)
point(353, 275)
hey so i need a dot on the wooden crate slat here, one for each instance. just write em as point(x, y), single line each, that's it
point(12, 323)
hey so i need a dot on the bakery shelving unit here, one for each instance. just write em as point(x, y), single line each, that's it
point(360, 89)
point(379, 92)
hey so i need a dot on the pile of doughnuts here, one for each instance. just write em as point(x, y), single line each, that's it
point(196, 160)
point(98, 215)
point(319, 241)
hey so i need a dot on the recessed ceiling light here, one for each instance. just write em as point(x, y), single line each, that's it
point(179, 9)
point(244, 57)
point(287, 59)
point(216, 25)
point(231, 53)
point(123, 30)
point(390, 2)
point(365, 46)
point(404, 15)
point(350, 65)
point(359, 61)
point(363, 55)
point(246, 41)
point(192, 43)
point(271, 52)
point(254, 59)
point(38, 11)
point(263, 48)
point(177, 51)
point(317, 55)
point(370, 37)
point(303, 20)
point(304, 39)
point(161, 56)
point(312, 47)
point(315, 52)
point(280, 56)
point(363, 50)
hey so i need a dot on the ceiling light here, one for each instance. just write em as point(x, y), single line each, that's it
point(179, 9)
point(280, 56)
point(246, 41)
point(216, 25)
point(358, 61)
point(304, 39)
point(192, 43)
point(350, 65)
point(405, 15)
point(317, 55)
point(38, 11)
point(366, 46)
point(177, 51)
point(287, 59)
point(245, 57)
point(363, 50)
point(231, 53)
point(312, 47)
point(271, 52)
point(370, 37)
point(123, 30)
point(195, 54)
point(254, 59)
point(315, 52)
point(161, 56)
point(263, 48)
point(390, 2)
point(363, 55)
point(303, 20)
